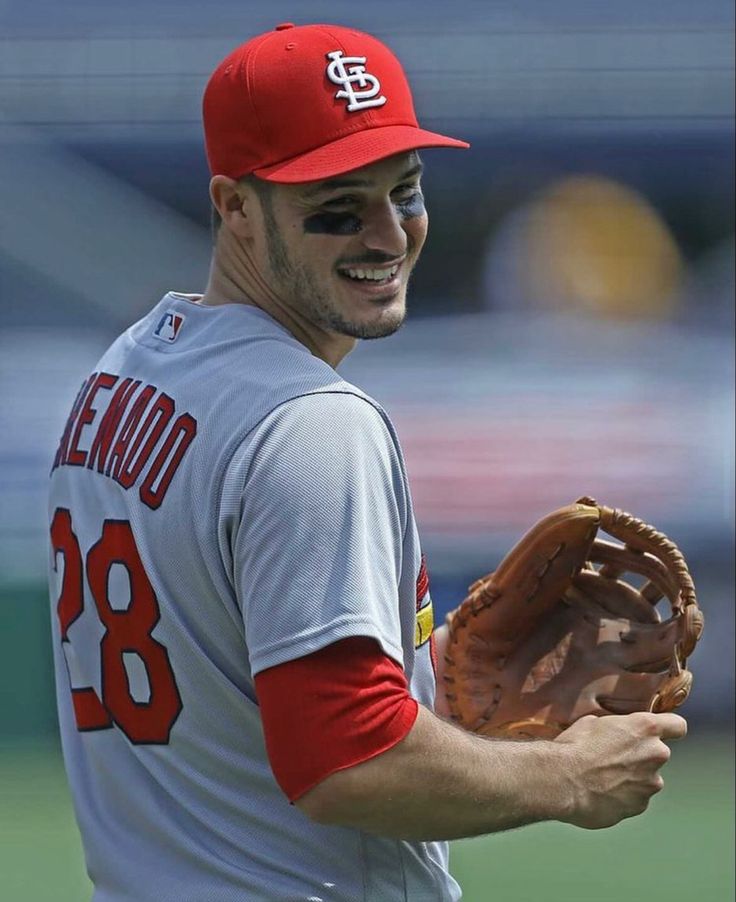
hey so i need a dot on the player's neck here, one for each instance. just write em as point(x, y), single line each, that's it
point(234, 279)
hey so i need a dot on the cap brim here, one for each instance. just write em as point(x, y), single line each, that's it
point(353, 152)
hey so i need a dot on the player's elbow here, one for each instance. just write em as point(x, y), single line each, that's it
point(348, 798)
point(332, 801)
point(351, 798)
point(318, 804)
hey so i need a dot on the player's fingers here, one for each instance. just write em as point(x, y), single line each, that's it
point(670, 726)
point(665, 726)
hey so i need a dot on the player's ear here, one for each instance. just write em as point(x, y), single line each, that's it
point(233, 205)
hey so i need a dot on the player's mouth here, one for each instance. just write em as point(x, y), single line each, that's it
point(372, 279)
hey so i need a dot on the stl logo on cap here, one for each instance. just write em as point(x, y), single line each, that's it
point(349, 71)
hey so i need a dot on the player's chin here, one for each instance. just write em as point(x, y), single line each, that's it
point(375, 323)
point(372, 310)
point(390, 320)
point(388, 310)
point(381, 329)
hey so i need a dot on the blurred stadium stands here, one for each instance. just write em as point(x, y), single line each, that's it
point(512, 394)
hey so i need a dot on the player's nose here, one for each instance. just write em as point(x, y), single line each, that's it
point(383, 230)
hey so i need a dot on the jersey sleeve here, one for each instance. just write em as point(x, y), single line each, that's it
point(317, 548)
point(331, 710)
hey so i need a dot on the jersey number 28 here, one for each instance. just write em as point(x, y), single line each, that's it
point(127, 631)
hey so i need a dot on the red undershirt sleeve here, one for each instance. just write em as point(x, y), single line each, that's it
point(331, 710)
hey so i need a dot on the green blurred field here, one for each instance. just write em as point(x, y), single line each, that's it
point(681, 850)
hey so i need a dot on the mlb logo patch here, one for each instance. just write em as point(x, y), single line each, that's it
point(169, 326)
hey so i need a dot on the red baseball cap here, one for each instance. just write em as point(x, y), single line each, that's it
point(308, 102)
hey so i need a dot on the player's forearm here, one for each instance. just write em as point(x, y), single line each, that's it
point(443, 783)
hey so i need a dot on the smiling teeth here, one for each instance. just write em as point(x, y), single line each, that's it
point(374, 275)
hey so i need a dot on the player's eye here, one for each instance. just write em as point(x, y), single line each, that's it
point(344, 200)
point(404, 192)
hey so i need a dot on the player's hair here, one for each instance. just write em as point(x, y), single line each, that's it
point(262, 188)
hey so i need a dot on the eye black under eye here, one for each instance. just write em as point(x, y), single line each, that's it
point(411, 205)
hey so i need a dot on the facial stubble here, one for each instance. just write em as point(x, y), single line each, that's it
point(298, 284)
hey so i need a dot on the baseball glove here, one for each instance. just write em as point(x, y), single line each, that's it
point(556, 633)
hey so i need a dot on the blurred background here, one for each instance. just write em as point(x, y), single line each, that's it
point(571, 332)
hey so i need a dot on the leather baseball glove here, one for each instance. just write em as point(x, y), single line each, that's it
point(556, 632)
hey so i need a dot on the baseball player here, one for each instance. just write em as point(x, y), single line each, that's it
point(245, 660)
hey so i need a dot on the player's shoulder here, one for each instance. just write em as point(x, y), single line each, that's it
point(340, 411)
point(318, 448)
point(325, 434)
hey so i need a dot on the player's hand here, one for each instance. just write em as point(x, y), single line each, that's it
point(615, 762)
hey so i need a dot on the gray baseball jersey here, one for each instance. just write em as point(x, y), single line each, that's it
point(221, 502)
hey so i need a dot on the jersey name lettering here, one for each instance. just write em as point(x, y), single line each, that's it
point(120, 431)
